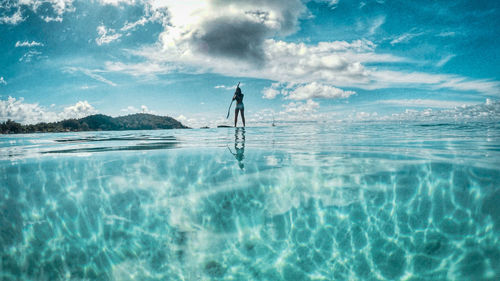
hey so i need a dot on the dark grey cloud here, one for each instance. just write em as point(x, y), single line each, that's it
point(233, 38)
point(240, 33)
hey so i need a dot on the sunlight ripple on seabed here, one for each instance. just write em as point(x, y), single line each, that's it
point(195, 214)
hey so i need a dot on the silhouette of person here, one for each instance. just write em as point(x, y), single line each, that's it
point(238, 96)
point(239, 146)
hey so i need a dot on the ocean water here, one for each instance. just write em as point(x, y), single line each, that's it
point(349, 201)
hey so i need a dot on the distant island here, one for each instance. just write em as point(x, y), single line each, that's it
point(97, 122)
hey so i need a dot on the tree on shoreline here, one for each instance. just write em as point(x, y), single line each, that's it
point(97, 122)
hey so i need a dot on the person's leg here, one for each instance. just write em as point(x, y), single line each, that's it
point(243, 116)
point(236, 116)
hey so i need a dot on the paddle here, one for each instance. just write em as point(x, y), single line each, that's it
point(229, 109)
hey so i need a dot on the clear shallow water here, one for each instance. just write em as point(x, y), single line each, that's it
point(306, 202)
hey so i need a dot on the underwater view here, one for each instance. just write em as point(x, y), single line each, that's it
point(359, 201)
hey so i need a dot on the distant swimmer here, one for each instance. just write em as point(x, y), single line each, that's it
point(238, 97)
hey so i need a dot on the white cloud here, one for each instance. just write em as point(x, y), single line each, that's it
point(139, 69)
point(132, 25)
point(49, 18)
point(31, 113)
point(117, 2)
point(2, 81)
point(271, 92)
point(331, 3)
point(30, 55)
point(12, 19)
point(316, 90)
point(292, 112)
point(181, 118)
point(300, 107)
point(490, 110)
point(154, 11)
point(55, 13)
point(387, 79)
point(87, 87)
point(444, 60)
point(24, 113)
point(335, 64)
point(132, 109)
point(228, 87)
point(28, 44)
point(450, 112)
point(106, 35)
point(201, 120)
point(405, 38)
point(305, 91)
point(447, 34)
point(59, 7)
point(90, 73)
point(376, 24)
point(79, 110)
point(464, 84)
point(424, 103)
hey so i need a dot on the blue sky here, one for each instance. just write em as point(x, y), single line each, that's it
point(296, 60)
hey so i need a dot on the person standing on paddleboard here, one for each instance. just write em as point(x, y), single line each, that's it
point(238, 96)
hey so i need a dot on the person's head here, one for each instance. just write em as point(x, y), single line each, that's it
point(238, 90)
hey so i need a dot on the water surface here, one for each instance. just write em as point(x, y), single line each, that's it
point(371, 201)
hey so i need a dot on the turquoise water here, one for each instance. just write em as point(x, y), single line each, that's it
point(373, 201)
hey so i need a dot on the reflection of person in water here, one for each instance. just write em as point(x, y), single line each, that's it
point(239, 146)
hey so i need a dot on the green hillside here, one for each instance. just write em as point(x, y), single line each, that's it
point(97, 122)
